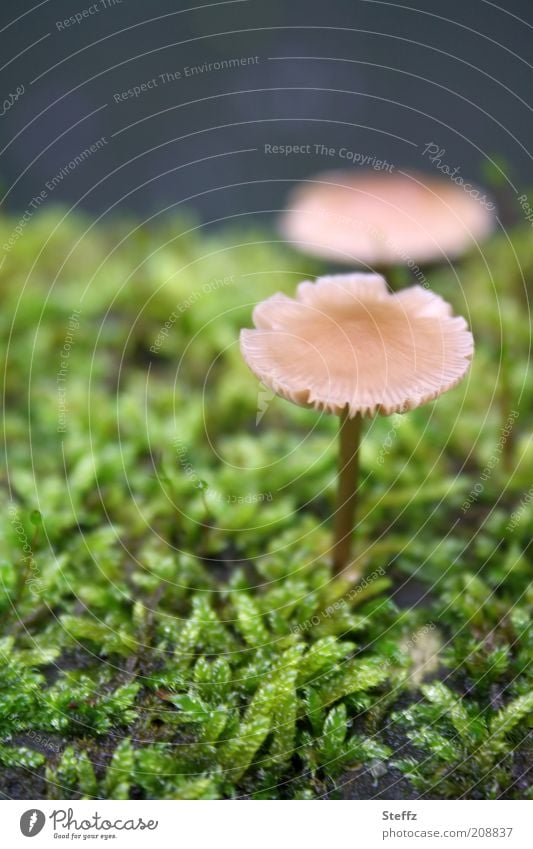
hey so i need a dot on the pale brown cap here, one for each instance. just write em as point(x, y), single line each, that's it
point(379, 219)
point(346, 342)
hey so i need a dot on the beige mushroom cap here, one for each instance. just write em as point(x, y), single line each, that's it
point(378, 219)
point(347, 342)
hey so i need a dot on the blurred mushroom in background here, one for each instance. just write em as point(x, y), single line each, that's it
point(347, 346)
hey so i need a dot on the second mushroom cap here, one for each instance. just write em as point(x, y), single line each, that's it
point(380, 219)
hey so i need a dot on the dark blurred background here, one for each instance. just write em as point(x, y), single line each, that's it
point(380, 79)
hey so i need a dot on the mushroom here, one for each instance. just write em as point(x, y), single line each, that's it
point(348, 346)
point(381, 220)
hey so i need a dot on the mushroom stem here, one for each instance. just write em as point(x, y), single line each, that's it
point(350, 439)
point(391, 273)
